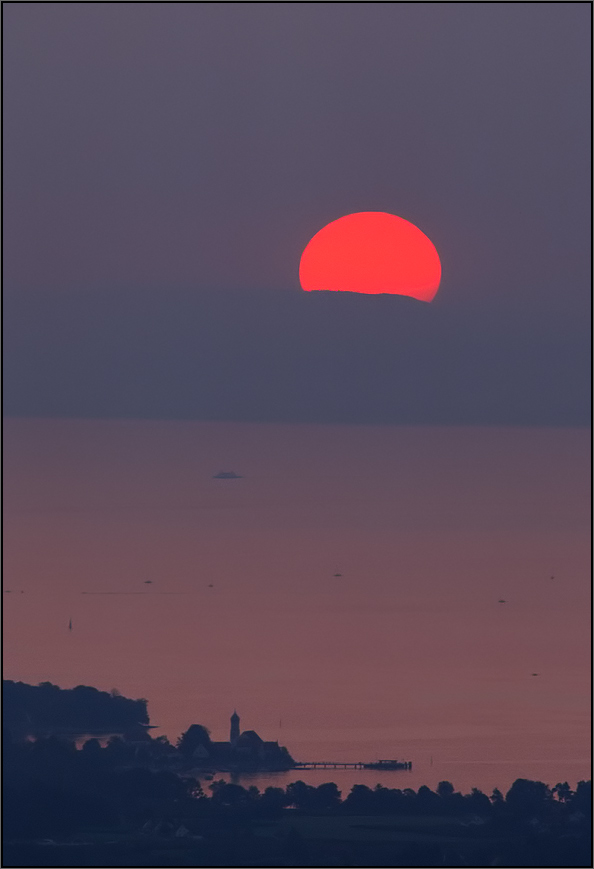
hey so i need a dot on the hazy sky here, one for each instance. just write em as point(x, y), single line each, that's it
point(166, 164)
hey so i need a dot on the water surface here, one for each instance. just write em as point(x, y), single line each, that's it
point(407, 654)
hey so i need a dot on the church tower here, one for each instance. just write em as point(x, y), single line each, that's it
point(234, 728)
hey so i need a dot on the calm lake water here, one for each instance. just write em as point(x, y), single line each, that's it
point(407, 654)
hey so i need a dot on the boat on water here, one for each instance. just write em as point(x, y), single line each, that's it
point(389, 764)
point(227, 475)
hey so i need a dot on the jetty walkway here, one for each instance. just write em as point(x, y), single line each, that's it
point(330, 764)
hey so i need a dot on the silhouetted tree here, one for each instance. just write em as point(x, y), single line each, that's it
point(195, 789)
point(326, 797)
point(582, 799)
point(445, 789)
point(272, 801)
point(478, 802)
point(227, 794)
point(51, 760)
point(526, 797)
point(360, 800)
point(196, 735)
point(427, 801)
point(117, 751)
point(497, 800)
point(452, 801)
point(563, 792)
point(300, 795)
point(91, 748)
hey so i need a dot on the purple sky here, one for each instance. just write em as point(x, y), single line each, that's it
point(166, 164)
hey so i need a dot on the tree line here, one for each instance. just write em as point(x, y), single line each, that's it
point(31, 710)
point(53, 789)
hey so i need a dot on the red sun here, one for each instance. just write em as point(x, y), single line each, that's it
point(371, 252)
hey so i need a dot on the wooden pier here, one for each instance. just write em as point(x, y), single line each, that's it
point(327, 764)
point(331, 764)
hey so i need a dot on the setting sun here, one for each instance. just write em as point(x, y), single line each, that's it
point(371, 252)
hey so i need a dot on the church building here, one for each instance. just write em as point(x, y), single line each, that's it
point(234, 728)
point(244, 750)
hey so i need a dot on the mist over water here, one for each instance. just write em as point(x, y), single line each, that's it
point(407, 654)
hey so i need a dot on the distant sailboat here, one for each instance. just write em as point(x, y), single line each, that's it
point(70, 625)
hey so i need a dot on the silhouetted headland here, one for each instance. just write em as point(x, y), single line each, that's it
point(45, 710)
point(34, 711)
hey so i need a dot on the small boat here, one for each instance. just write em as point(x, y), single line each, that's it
point(227, 475)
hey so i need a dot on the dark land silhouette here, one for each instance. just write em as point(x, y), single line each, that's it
point(245, 751)
point(31, 711)
point(135, 802)
point(45, 710)
point(107, 806)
